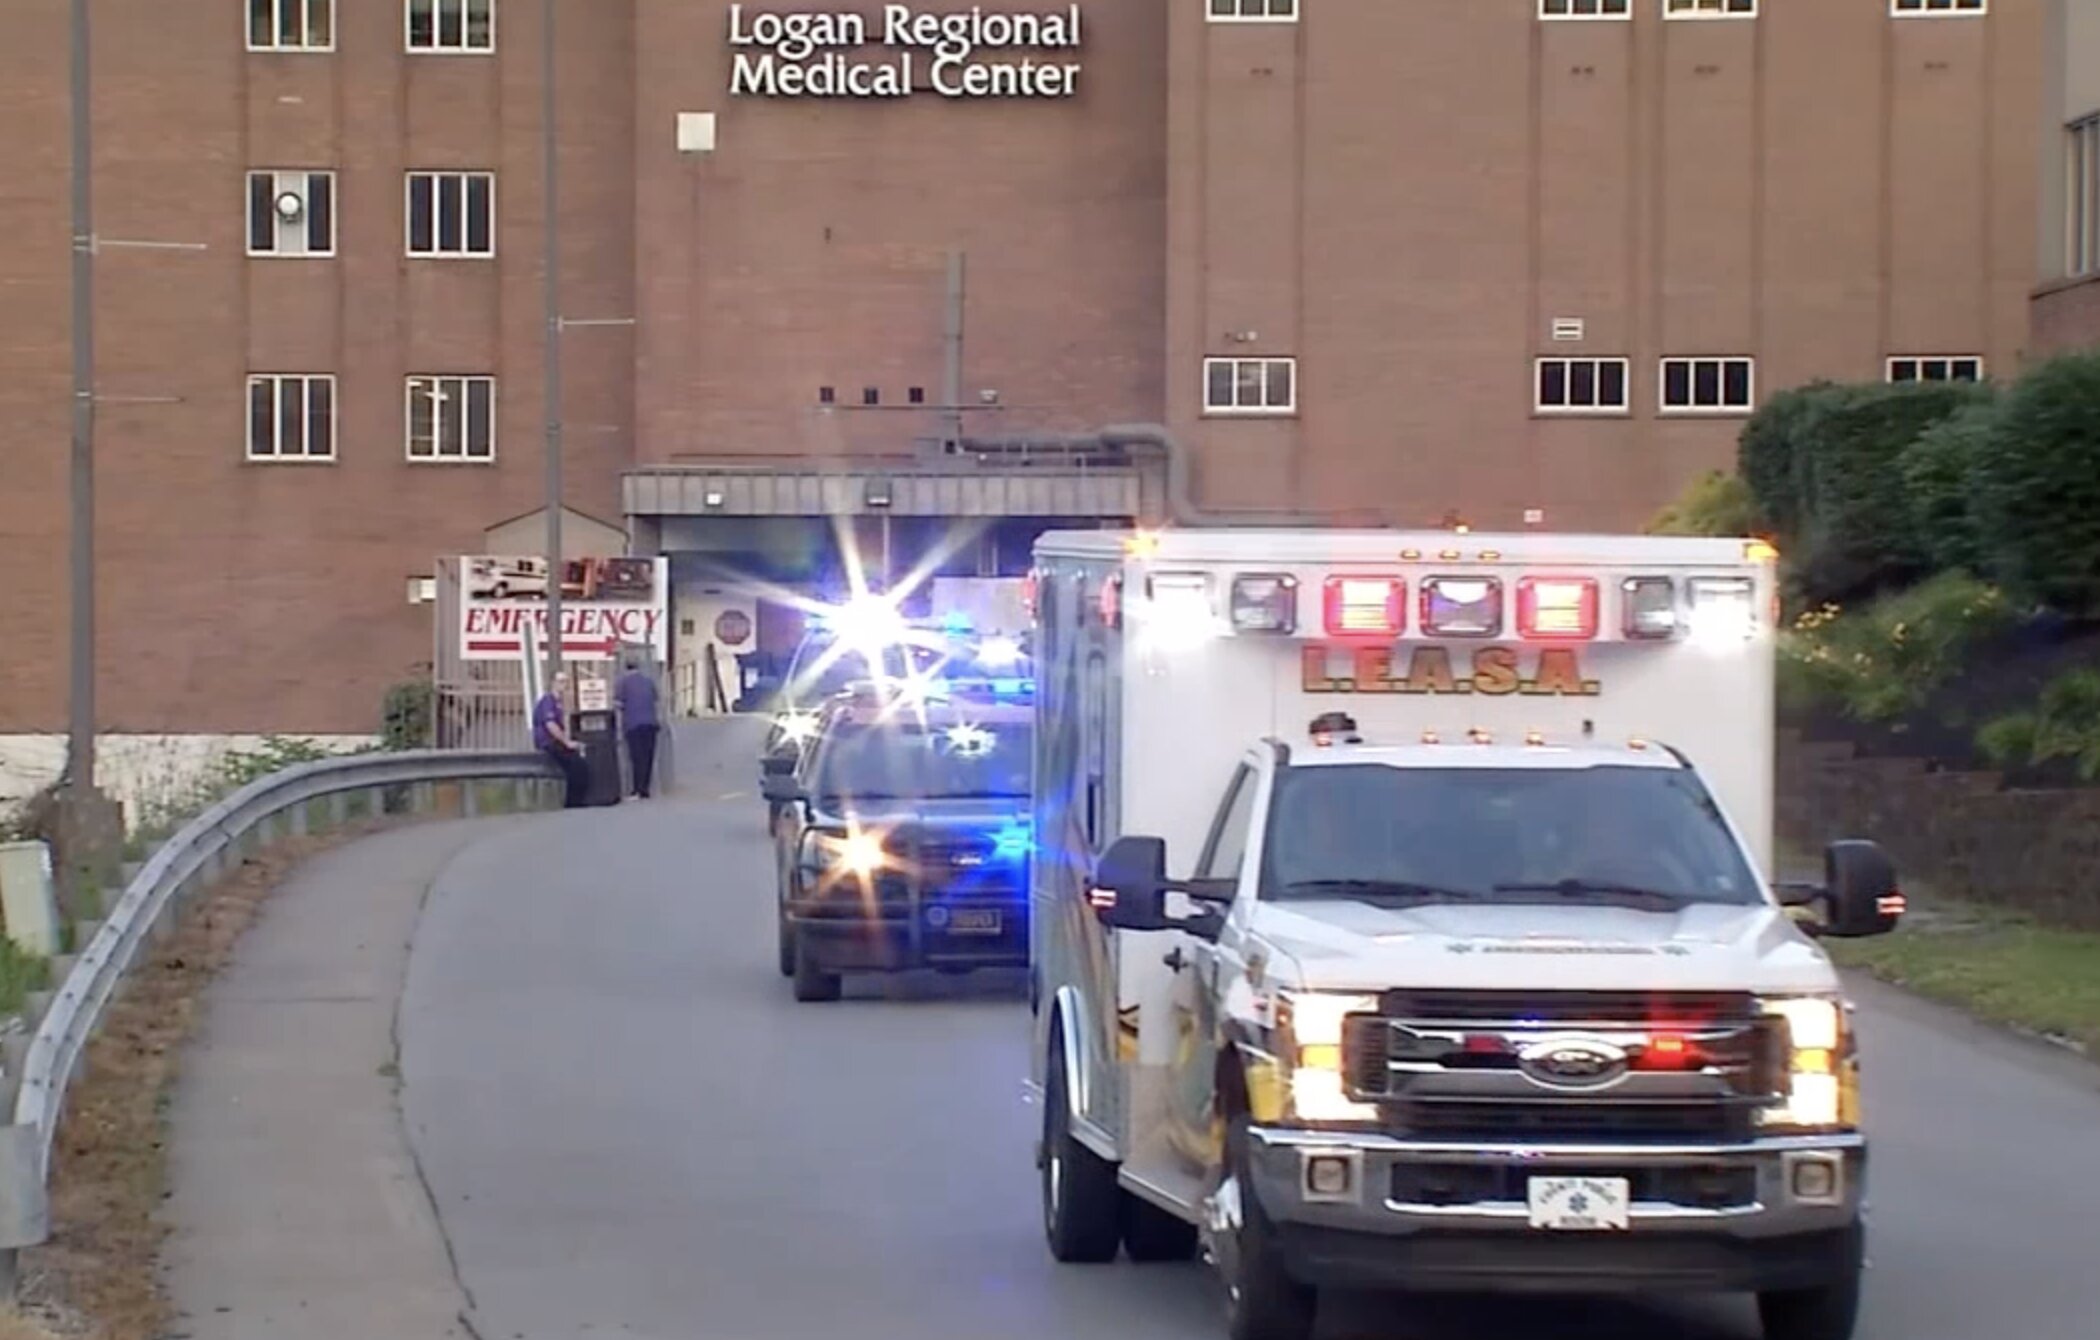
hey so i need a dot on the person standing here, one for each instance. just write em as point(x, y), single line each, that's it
point(637, 699)
point(550, 735)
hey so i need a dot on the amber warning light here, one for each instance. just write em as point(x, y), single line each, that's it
point(1365, 606)
point(1557, 608)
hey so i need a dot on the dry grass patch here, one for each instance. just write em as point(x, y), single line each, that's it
point(99, 1274)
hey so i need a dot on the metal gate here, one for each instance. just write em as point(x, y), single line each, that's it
point(475, 704)
point(484, 704)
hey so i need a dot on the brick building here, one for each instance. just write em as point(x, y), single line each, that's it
point(1526, 260)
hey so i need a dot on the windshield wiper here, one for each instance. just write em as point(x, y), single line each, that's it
point(1604, 890)
point(1373, 890)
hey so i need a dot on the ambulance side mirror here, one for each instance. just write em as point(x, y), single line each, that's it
point(1129, 891)
point(1859, 895)
point(779, 763)
point(780, 788)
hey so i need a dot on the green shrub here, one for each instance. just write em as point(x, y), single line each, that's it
point(1939, 472)
point(1716, 504)
point(238, 767)
point(2008, 741)
point(1857, 536)
point(1889, 660)
point(408, 716)
point(1766, 456)
point(2038, 486)
point(2065, 724)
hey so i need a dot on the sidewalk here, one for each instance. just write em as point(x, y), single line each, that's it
point(296, 1207)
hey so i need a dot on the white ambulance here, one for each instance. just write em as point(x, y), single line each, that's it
point(1404, 919)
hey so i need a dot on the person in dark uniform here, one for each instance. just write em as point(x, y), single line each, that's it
point(637, 699)
point(550, 735)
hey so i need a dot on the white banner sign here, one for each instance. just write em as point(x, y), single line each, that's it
point(960, 55)
point(606, 604)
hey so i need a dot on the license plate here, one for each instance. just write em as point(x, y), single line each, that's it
point(1578, 1204)
point(974, 921)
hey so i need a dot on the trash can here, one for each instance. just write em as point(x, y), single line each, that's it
point(597, 732)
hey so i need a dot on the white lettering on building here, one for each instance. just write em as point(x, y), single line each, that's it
point(955, 55)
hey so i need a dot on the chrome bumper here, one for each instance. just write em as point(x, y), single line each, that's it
point(1406, 1219)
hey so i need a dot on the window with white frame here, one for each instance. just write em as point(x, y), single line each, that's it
point(1708, 385)
point(291, 416)
point(451, 418)
point(451, 214)
point(452, 25)
point(1709, 9)
point(1936, 368)
point(2082, 197)
point(1581, 386)
point(1585, 9)
point(291, 213)
point(1937, 8)
point(291, 25)
point(1250, 385)
point(1253, 11)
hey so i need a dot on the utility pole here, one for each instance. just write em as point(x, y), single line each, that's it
point(550, 153)
point(80, 719)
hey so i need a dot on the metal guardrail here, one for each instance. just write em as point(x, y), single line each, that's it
point(274, 806)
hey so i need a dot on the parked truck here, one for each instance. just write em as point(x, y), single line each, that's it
point(1406, 919)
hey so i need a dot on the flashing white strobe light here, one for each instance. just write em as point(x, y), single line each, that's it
point(1723, 611)
point(999, 653)
point(1177, 611)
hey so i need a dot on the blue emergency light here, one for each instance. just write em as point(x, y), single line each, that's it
point(1013, 842)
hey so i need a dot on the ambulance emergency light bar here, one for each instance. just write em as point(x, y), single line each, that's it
point(1372, 608)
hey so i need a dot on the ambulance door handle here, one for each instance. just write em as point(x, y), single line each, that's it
point(1173, 959)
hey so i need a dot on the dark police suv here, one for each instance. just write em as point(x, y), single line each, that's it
point(903, 841)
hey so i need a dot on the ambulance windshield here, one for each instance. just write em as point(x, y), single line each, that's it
point(1648, 838)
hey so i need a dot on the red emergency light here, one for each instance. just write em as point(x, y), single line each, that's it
point(1557, 608)
point(1368, 607)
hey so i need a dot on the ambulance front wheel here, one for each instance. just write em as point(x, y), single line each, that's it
point(1827, 1312)
point(1262, 1301)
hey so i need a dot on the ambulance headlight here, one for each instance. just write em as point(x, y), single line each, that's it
point(1819, 1068)
point(796, 727)
point(1651, 608)
point(1310, 1025)
point(1462, 606)
point(1265, 602)
point(1723, 610)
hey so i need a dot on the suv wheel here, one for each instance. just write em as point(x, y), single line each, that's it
point(812, 983)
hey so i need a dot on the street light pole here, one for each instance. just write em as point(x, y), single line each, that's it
point(551, 380)
point(80, 733)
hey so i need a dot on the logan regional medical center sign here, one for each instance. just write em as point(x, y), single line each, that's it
point(971, 54)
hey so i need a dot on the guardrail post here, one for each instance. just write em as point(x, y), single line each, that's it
point(338, 808)
point(297, 817)
point(470, 799)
